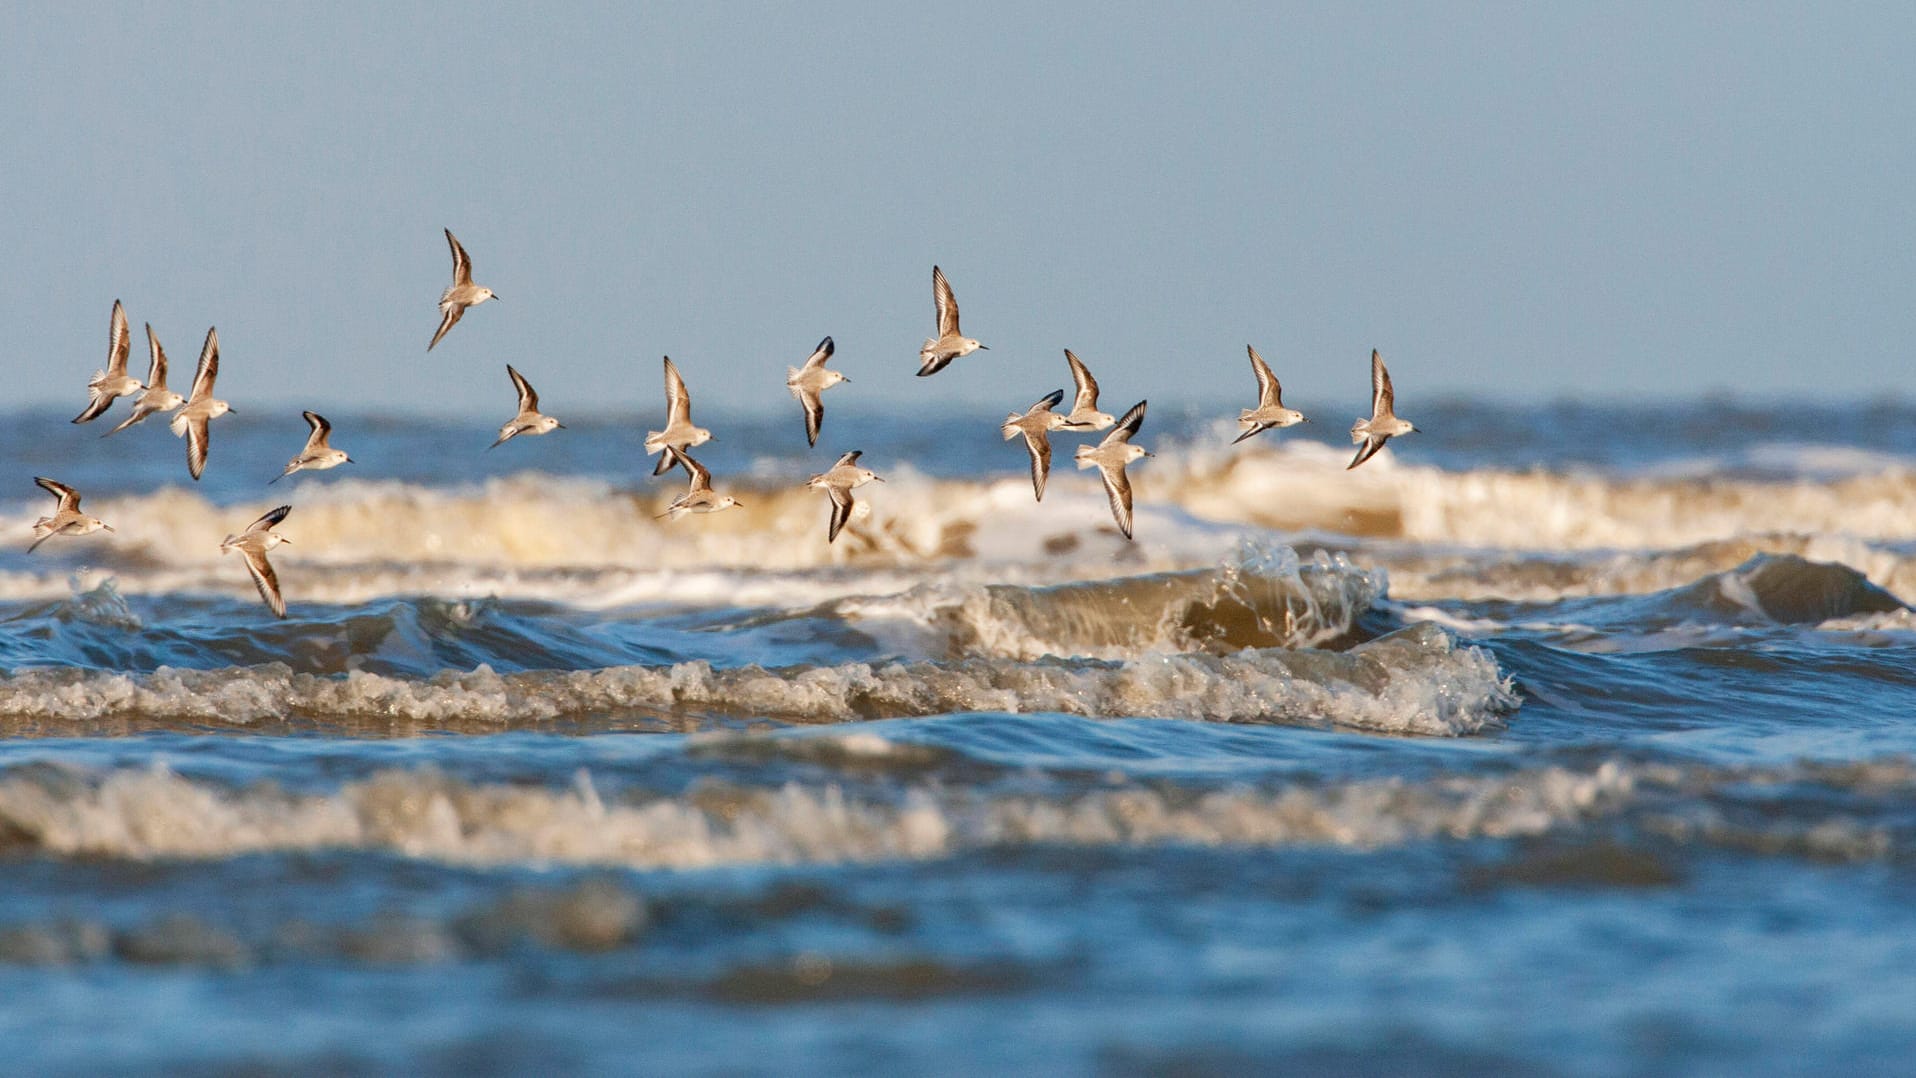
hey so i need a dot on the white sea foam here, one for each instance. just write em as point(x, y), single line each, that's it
point(1415, 681)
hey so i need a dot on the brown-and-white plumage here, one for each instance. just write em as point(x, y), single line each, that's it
point(463, 293)
point(807, 382)
point(155, 397)
point(1270, 411)
point(838, 482)
point(1110, 456)
point(66, 519)
point(252, 544)
point(201, 408)
point(699, 497)
point(679, 433)
point(113, 383)
point(529, 420)
point(1084, 414)
point(939, 351)
point(317, 455)
point(1036, 424)
point(1370, 434)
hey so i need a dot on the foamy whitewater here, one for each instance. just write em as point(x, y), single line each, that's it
point(1559, 741)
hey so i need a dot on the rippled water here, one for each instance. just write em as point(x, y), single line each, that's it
point(1567, 741)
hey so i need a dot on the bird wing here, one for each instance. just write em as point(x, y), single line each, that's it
point(678, 402)
point(1269, 393)
point(528, 398)
point(1382, 400)
point(841, 510)
point(461, 264)
point(321, 428)
point(209, 368)
point(1117, 488)
point(1366, 451)
point(849, 458)
point(701, 475)
point(1087, 396)
point(69, 498)
point(197, 444)
point(1038, 444)
point(1127, 426)
point(450, 319)
point(269, 520)
point(946, 302)
point(117, 343)
point(156, 365)
point(814, 406)
point(265, 579)
point(1047, 402)
point(820, 354)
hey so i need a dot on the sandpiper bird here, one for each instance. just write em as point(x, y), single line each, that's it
point(113, 383)
point(529, 420)
point(463, 293)
point(253, 543)
point(1110, 456)
point(155, 397)
point(1371, 434)
point(807, 382)
point(67, 519)
point(1270, 411)
point(939, 351)
point(1084, 415)
point(679, 433)
point(700, 497)
point(837, 483)
point(1036, 425)
point(201, 408)
point(317, 455)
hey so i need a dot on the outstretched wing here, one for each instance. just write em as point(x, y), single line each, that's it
point(198, 442)
point(321, 428)
point(1047, 402)
point(1269, 393)
point(270, 519)
point(678, 402)
point(1127, 426)
point(209, 368)
point(156, 362)
point(1366, 451)
point(1038, 444)
point(849, 458)
point(454, 312)
point(1086, 399)
point(1382, 400)
point(946, 302)
point(117, 343)
point(814, 405)
point(701, 475)
point(461, 265)
point(528, 399)
point(820, 354)
point(69, 498)
point(1117, 489)
point(841, 511)
point(265, 579)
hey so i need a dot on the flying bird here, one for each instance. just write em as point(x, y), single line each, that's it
point(66, 519)
point(1110, 456)
point(463, 293)
point(252, 544)
point(155, 397)
point(699, 498)
point(113, 383)
point(201, 408)
point(679, 433)
point(939, 351)
point(807, 382)
point(1036, 424)
point(529, 420)
point(1270, 411)
point(1371, 434)
point(838, 483)
point(317, 455)
point(1084, 415)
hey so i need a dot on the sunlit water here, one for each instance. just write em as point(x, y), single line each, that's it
point(1573, 741)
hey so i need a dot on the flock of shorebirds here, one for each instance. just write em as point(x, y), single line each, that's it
point(193, 413)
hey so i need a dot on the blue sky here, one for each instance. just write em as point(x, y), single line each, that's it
point(1512, 201)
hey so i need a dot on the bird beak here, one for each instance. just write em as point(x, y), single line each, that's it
point(350, 460)
point(558, 426)
point(1148, 453)
point(105, 525)
point(230, 410)
point(283, 539)
point(1307, 419)
point(736, 504)
point(1414, 430)
point(984, 348)
point(878, 479)
point(844, 379)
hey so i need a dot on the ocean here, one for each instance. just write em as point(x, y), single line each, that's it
point(1569, 739)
